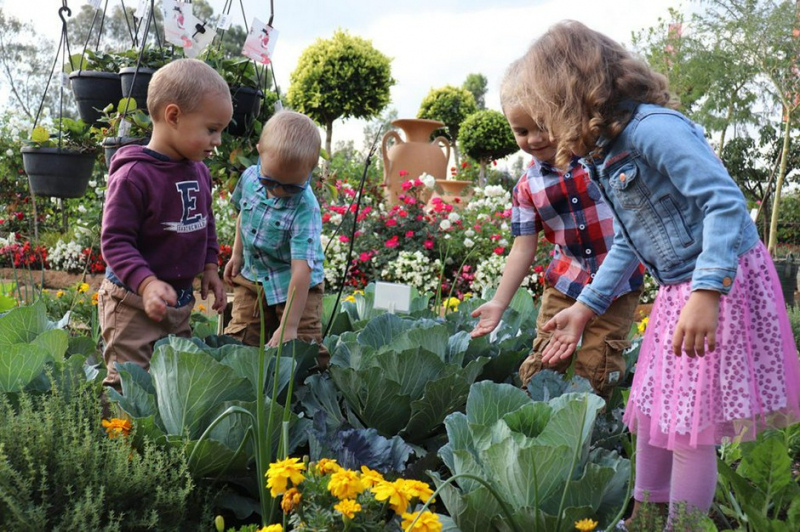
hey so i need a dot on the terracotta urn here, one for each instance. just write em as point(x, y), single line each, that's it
point(452, 189)
point(414, 156)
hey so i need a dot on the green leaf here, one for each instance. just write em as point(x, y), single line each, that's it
point(768, 466)
point(54, 341)
point(488, 402)
point(22, 325)
point(20, 364)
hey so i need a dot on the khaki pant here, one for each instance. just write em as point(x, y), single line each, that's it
point(245, 324)
point(128, 332)
point(599, 358)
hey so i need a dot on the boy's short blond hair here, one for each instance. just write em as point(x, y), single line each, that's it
point(184, 82)
point(292, 139)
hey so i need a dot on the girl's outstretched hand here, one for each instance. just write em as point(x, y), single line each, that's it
point(567, 327)
point(697, 324)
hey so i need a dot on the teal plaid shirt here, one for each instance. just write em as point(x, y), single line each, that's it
point(276, 231)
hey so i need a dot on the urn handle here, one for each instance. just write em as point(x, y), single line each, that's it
point(443, 140)
point(385, 151)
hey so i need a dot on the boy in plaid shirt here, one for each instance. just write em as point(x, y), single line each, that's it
point(278, 248)
point(568, 208)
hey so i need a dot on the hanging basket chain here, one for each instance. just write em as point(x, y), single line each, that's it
point(128, 23)
point(127, 97)
point(63, 47)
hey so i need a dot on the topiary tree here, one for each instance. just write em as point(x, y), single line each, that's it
point(450, 105)
point(340, 77)
point(477, 84)
point(486, 136)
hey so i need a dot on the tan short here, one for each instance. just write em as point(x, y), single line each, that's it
point(245, 324)
point(128, 332)
point(599, 358)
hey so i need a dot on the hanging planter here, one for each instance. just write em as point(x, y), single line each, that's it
point(94, 91)
point(136, 89)
point(246, 106)
point(58, 172)
point(110, 145)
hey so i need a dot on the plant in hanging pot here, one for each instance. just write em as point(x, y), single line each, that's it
point(60, 165)
point(244, 80)
point(95, 83)
point(124, 125)
point(135, 81)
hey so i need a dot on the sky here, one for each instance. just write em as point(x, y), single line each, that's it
point(431, 43)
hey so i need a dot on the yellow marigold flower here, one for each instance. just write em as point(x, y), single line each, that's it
point(369, 477)
point(345, 484)
point(586, 525)
point(348, 508)
point(272, 528)
point(427, 522)
point(416, 489)
point(358, 292)
point(394, 493)
point(95, 297)
point(452, 303)
point(291, 500)
point(201, 308)
point(83, 287)
point(60, 293)
point(326, 465)
point(282, 471)
point(117, 427)
point(351, 299)
point(642, 326)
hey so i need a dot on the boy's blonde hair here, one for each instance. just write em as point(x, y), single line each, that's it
point(511, 87)
point(184, 82)
point(292, 139)
point(575, 79)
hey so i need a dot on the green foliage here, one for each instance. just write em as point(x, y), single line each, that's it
point(152, 56)
point(70, 134)
point(536, 457)
point(341, 77)
point(451, 105)
point(59, 471)
point(789, 224)
point(486, 136)
point(477, 84)
point(238, 71)
point(94, 61)
point(794, 320)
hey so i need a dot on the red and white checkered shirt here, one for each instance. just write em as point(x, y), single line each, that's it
point(569, 209)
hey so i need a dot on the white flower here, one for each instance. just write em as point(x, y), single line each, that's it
point(10, 152)
point(454, 217)
point(92, 183)
point(444, 225)
point(81, 208)
point(468, 242)
point(469, 233)
point(428, 180)
point(503, 242)
point(504, 226)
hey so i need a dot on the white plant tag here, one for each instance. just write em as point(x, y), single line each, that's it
point(65, 80)
point(178, 23)
point(260, 43)
point(224, 22)
point(94, 3)
point(393, 297)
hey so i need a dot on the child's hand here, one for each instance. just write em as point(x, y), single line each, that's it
point(288, 335)
point(156, 296)
point(211, 280)
point(490, 314)
point(567, 327)
point(232, 269)
point(697, 324)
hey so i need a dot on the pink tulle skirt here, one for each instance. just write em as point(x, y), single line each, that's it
point(750, 382)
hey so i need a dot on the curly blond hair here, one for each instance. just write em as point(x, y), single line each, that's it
point(574, 81)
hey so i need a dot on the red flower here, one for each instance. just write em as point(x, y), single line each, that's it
point(391, 222)
point(402, 173)
point(343, 238)
point(392, 242)
point(364, 257)
point(407, 185)
point(326, 217)
point(409, 234)
point(428, 244)
point(499, 250)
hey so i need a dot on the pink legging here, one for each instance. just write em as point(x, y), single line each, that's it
point(685, 475)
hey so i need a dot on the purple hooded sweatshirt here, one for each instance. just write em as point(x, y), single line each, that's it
point(157, 219)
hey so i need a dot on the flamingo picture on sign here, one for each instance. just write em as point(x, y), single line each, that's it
point(260, 42)
point(177, 18)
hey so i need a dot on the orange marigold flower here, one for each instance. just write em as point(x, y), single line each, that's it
point(291, 500)
point(117, 426)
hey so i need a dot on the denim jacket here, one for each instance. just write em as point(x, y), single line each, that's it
point(676, 208)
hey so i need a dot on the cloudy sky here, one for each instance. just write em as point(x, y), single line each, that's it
point(432, 43)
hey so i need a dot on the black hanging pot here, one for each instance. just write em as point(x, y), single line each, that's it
point(136, 89)
point(787, 274)
point(112, 144)
point(94, 91)
point(59, 173)
point(246, 106)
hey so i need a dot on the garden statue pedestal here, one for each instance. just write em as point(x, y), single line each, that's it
point(452, 189)
point(414, 156)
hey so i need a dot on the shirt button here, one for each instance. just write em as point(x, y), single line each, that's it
point(567, 175)
point(588, 251)
point(277, 223)
point(592, 276)
point(574, 200)
point(266, 277)
point(581, 227)
point(727, 281)
point(310, 240)
point(253, 230)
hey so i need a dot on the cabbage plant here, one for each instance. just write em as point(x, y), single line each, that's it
point(519, 464)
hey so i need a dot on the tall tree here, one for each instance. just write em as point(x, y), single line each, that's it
point(451, 105)
point(341, 77)
point(477, 84)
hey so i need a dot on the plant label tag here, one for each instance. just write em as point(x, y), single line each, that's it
point(200, 38)
point(94, 3)
point(178, 23)
point(278, 106)
point(392, 297)
point(224, 21)
point(260, 42)
point(65, 80)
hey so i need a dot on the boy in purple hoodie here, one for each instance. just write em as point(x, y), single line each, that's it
point(158, 228)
